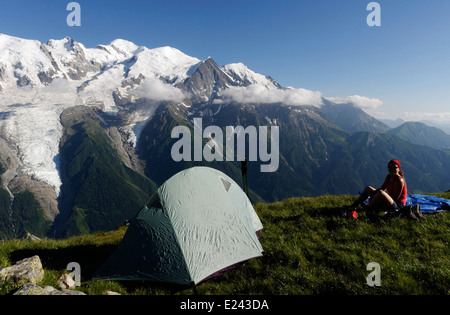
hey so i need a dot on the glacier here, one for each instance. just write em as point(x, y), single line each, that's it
point(39, 81)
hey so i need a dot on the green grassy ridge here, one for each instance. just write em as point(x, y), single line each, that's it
point(105, 191)
point(309, 248)
point(27, 214)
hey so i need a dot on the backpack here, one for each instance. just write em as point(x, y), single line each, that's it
point(411, 212)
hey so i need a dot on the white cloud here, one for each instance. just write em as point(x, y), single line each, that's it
point(156, 90)
point(256, 93)
point(362, 102)
point(422, 116)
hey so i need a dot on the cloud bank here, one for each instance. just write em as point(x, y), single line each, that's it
point(156, 90)
point(362, 102)
point(256, 93)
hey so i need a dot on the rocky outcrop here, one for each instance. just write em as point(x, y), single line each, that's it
point(66, 282)
point(28, 272)
point(206, 81)
point(42, 192)
point(33, 289)
point(78, 66)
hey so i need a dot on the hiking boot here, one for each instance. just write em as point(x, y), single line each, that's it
point(408, 212)
point(417, 212)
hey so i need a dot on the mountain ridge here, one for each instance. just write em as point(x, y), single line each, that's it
point(128, 99)
point(420, 133)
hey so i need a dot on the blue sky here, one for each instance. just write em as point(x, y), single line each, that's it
point(321, 45)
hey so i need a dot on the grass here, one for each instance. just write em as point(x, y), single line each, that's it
point(310, 248)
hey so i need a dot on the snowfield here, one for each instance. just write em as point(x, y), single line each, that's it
point(38, 81)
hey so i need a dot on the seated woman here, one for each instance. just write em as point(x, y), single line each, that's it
point(391, 195)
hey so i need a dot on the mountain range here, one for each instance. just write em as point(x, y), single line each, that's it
point(86, 134)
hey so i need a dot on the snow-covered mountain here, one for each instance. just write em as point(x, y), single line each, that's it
point(39, 80)
point(64, 64)
point(89, 167)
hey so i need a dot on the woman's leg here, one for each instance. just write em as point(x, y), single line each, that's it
point(369, 191)
point(381, 200)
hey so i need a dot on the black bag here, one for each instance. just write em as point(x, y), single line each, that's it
point(412, 212)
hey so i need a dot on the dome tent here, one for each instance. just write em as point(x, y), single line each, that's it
point(198, 223)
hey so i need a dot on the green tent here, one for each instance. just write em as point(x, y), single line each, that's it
point(198, 224)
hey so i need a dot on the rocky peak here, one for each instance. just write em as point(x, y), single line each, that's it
point(207, 80)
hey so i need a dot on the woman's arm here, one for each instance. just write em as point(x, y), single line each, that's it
point(399, 183)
